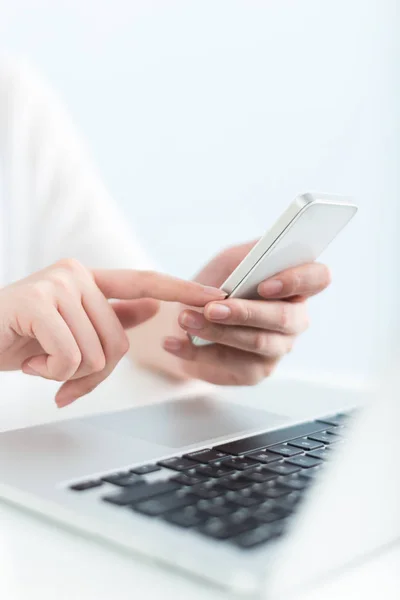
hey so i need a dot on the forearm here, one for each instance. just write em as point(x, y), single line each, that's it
point(146, 342)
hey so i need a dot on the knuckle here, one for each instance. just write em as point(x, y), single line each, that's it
point(74, 360)
point(95, 364)
point(70, 264)
point(62, 280)
point(285, 317)
point(40, 291)
point(59, 373)
point(273, 346)
point(259, 342)
point(245, 313)
point(68, 366)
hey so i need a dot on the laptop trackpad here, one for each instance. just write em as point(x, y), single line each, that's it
point(186, 422)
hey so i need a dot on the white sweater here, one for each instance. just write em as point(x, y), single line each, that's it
point(52, 201)
point(52, 205)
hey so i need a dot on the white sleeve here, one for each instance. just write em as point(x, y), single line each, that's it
point(56, 204)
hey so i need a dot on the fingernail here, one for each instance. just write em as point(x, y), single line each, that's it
point(272, 287)
point(190, 320)
point(218, 312)
point(212, 291)
point(172, 344)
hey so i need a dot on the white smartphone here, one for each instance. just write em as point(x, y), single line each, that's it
point(304, 230)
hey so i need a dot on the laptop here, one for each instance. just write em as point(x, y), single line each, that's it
point(212, 489)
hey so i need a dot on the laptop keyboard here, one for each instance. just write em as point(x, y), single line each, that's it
point(243, 492)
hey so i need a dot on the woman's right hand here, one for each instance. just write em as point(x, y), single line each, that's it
point(59, 324)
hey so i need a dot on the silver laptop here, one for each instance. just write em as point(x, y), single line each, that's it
point(209, 488)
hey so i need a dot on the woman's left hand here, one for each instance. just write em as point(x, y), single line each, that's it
point(250, 336)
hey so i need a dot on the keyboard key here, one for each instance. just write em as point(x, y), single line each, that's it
point(263, 456)
point(321, 453)
point(304, 461)
point(305, 444)
point(339, 431)
point(162, 504)
point(285, 450)
point(114, 477)
point(206, 491)
point(270, 438)
point(280, 527)
point(188, 517)
point(325, 437)
point(245, 498)
point(177, 464)
point(186, 479)
point(227, 527)
point(265, 514)
point(335, 420)
point(145, 469)
point(293, 482)
point(206, 456)
point(282, 468)
point(259, 475)
point(141, 491)
point(219, 507)
point(309, 473)
point(255, 537)
point(290, 502)
point(124, 480)
point(271, 489)
point(241, 463)
point(85, 485)
point(234, 483)
point(274, 492)
point(215, 470)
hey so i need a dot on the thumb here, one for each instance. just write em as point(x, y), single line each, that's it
point(134, 312)
point(222, 265)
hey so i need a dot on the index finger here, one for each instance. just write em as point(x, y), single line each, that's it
point(128, 284)
point(306, 280)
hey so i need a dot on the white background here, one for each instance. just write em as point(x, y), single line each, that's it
point(207, 117)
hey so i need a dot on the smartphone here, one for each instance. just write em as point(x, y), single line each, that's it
point(304, 230)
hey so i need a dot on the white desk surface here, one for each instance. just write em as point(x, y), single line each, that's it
point(40, 559)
